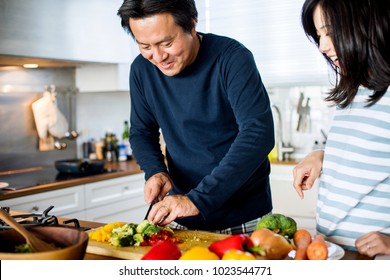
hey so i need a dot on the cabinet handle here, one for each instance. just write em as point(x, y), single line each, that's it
point(35, 208)
point(126, 188)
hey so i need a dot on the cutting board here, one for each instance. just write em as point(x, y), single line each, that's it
point(190, 239)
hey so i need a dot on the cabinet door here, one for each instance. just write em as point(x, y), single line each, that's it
point(131, 210)
point(120, 199)
point(68, 30)
point(286, 200)
point(65, 201)
point(114, 190)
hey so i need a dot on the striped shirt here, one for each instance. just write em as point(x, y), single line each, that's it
point(354, 193)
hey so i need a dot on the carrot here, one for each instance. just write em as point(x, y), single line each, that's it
point(302, 238)
point(317, 250)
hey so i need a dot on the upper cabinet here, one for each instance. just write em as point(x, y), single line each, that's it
point(87, 30)
point(103, 77)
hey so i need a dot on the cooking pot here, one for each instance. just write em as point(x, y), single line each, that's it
point(80, 166)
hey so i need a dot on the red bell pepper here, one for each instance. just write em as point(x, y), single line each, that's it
point(241, 242)
point(163, 250)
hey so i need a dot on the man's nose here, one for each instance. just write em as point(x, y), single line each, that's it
point(158, 54)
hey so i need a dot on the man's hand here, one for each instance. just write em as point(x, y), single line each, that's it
point(157, 186)
point(170, 208)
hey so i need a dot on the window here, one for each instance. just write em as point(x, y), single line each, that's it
point(272, 31)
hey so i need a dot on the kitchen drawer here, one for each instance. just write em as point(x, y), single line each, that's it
point(128, 210)
point(114, 190)
point(65, 201)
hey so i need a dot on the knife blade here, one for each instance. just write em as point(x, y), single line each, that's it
point(150, 207)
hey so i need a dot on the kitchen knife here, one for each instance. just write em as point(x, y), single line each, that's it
point(150, 207)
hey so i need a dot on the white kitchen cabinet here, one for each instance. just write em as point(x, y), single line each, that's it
point(120, 199)
point(74, 30)
point(103, 77)
point(68, 202)
point(286, 200)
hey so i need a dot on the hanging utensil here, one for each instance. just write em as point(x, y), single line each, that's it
point(299, 110)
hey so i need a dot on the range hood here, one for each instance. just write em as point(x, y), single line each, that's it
point(8, 61)
point(62, 33)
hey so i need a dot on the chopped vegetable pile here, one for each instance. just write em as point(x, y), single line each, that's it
point(131, 234)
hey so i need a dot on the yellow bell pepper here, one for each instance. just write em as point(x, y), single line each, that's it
point(199, 253)
point(102, 234)
point(235, 254)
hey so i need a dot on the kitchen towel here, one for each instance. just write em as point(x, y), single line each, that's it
point(48, 118)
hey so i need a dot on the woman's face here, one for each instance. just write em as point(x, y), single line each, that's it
point(164, 43)
point(323, 32)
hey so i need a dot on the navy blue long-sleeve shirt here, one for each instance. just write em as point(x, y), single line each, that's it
point(217, 124)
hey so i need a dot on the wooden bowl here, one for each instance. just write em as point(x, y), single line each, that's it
point(71, 242)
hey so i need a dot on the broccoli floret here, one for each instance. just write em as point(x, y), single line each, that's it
point(142, 226)
point(289, 227)
point(121, 240)
point(132, 227)
point(151, 229)
point(138, 238)
point(270, 221)
point(167, 228)
point(278, 223)
point(123, 236)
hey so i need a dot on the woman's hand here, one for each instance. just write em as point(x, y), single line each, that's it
point(373, 243)
point(307, 171)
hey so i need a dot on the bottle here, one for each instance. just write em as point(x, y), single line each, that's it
point(126, 140)
point(126, 130)
point(109, 145)
point(122, 152)
point(273, 155)
point(92, 154)
point(87, 147)
point(99, 149)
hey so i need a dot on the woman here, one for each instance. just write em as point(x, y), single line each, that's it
point(353, 207)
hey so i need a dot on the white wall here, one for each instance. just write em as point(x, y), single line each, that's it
point(99, 112)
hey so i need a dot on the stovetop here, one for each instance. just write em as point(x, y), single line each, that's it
point(44, 218)
point(41, 176)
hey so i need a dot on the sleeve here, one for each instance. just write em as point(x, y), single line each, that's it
point(144, 130)
point(249, 151)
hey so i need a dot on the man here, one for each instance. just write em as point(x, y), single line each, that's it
point(206, 95)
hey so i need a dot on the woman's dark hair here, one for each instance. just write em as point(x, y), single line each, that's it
point(360, 32)
point(183, 11)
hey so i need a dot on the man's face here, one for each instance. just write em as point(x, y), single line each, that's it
point(164, 43)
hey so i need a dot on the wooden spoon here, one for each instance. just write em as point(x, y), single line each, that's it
point(36, 244)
